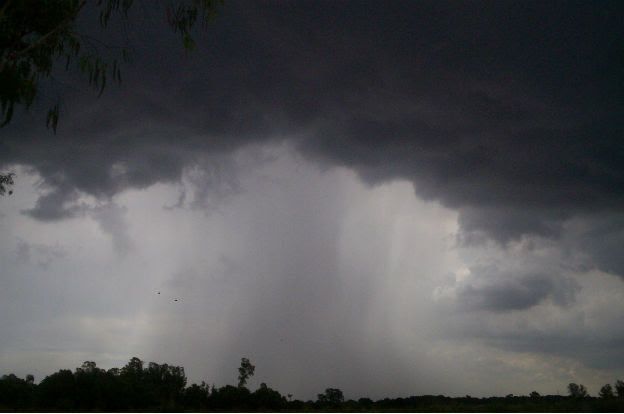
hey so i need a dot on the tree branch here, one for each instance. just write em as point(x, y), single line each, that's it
point(46, 36)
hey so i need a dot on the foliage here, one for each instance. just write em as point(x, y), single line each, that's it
point(230, 398)
point(267, 399)
point(16, 392)
point(58, 391)
point(577, 391)
point(140, 386)
point(245, 371)
point(606, 391)
point(6, 180)
point(196, 396)
point(619, 388)
point(332, 396)
point(35, 34)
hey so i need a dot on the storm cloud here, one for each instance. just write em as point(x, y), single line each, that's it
point(507, 293)
point(280, 145)
point(485, 108)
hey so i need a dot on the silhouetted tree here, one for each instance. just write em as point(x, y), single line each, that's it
point(577, 391)
point(88, 367)
point(57, 391)
point(6, 181)
point(196, 397)
point(134, 386)
point(162, 387)
point(619, 388)
point(230, 398)
point(365, 402)
point(267, 399)
point(166, 384)
point(15, 393)
point(115, 372)
point(245, 371)
point(606, 391)
point(91, 388)
point(332, 396)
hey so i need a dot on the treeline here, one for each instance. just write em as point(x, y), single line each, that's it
point(161, 387)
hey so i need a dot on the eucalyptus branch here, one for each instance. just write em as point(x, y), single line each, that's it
point(37, 33)
point(52, 32)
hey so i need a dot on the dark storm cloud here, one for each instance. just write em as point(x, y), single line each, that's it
point(497, 289)
point(509, 112)
point(602, 351)
point(602, 240)
point(506, 224)
point(509, 294)
point(502, 312)
point(56, 205)
point(595, 348)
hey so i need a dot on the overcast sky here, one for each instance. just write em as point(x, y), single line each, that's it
point(390, 198)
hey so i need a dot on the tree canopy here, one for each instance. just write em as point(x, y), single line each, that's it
point(245, 371)
point(577, 391)
point(140, 386)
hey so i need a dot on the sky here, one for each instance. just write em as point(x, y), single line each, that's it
point(390, 198)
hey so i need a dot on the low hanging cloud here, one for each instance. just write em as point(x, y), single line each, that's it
point(110, 217)
point(576, 316)
point(489, 289)
point(484, 108)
